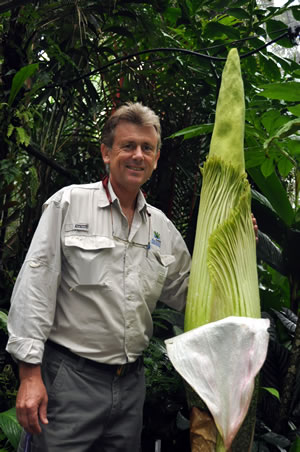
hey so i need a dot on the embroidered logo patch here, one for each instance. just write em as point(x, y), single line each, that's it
point(156, 239)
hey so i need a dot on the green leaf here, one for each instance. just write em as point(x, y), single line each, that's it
point(272, 120)
point(269, 67)
point(193, 131)
point(229, 21)
point(254, 157)
point(284, 166)
point(239, 13)
point(18, 81)
point(295, 110)
point(177, 330)
point(255, 195)
point(250, 65)
point(23, 136)
point(10, 426)
point(267, 167)
point(272, 391)
point(295, 446)
point(293, 146)
point(272, 29)
point(219, 5)
point(286, 65)
point(296, 12)
point(296, 73)
point(272, 189)
point(289, 91)
point(172, 15)
point(215, 30)
point(3, 321)
point(10, 130)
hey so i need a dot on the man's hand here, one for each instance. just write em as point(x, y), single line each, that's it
point(32, 398)
point(255, 227)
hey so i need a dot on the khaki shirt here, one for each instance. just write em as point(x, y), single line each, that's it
point(89, 283)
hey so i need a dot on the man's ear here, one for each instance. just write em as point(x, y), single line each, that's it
point(156, 159)
point(105, 154)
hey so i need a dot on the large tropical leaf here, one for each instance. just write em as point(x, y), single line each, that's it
point(273, 190)
point(10, 426)
point(20, 77)
point(270, 253)
point(283, 91)
point(288, 319)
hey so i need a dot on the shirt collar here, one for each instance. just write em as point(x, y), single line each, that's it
point(103, 201)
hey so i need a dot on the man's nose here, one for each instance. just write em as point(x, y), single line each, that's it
point(138, 152)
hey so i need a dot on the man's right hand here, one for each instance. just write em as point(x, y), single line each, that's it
point(32, 398)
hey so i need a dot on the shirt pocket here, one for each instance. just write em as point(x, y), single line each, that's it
point(153, 274)
point(88, 260)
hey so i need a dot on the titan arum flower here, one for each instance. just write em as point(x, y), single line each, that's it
point(220, 359)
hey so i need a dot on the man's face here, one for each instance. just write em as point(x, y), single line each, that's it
point(133, 155)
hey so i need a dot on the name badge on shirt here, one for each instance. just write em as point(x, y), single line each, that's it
point(80, 227)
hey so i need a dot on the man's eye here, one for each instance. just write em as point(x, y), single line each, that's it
point(147, 149)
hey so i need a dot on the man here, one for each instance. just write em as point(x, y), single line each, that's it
point(81, 308)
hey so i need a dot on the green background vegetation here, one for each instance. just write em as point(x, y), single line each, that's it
point(65, 66)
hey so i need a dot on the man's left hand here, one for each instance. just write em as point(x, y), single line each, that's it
point(255, 227)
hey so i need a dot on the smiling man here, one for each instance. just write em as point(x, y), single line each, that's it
point(132, 158)
point(80, 315)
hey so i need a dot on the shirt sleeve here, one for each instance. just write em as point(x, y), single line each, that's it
point(174, 292)
point(33, 299)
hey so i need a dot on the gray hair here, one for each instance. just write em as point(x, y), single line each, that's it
point(136, 113)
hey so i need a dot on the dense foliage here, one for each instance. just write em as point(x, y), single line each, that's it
point(66, 65)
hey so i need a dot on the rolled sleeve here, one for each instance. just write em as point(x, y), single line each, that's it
point(33, 299)
point(24, 349)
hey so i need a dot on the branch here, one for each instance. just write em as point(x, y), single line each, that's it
point(52, 163)
point(164, 49)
